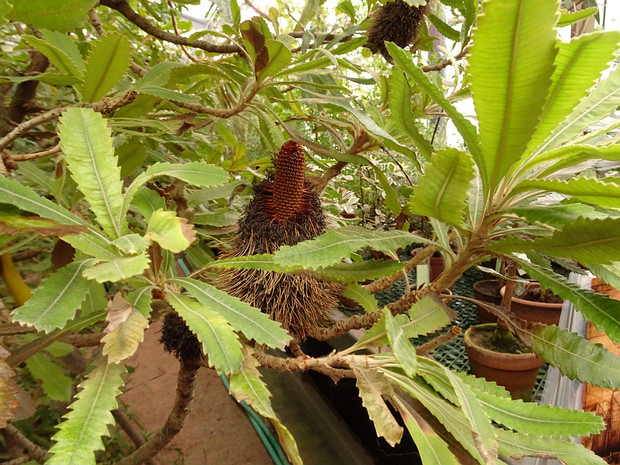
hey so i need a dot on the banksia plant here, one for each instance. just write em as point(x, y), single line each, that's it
point(284, 211)
point(179, 340)
point(397, 22)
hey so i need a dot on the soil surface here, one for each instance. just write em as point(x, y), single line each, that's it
point(217, 430)
point(533, 294)
point(485, 337)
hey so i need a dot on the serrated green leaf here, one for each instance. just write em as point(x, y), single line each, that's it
point(360, 271)
point(558, 216)
point(58, 57)
point(372, 387)
point(467, 130)
point(92, 245)
point(169, 231)
point(575, 356)
point(567, 19)
point(87, 144)
point(362, 296)
point(599, 309)
point(56, 300)
point(332, 246)
point(584, 240)
point(68, 45)
point(131, 244)
point(428, 315)
point(106, 64)
point(445, 29)
point(572, 155)
point(590, 190)
point(196, 173)
point(122, 342)
point(252, 262)
point(242, 316)
point(216, 336)
point(157, 76)
point(146, 201)
point(15, 193)
point(484, 386)
point(402, 116)
point(578, 65)
point(545, 420)
point(279, 58)
point(58, 16)
point(118, 269)
point(518, 445)
point(56, 384)
point(80, 434)
point(599, 103)
point(442, 190)
point(402, 347)
point(391, 198)
point(509, 96)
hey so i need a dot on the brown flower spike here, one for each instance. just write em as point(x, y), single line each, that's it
point(283, 211)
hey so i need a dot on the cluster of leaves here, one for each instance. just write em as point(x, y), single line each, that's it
point(156, 149)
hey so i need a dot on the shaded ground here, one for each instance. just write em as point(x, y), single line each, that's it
point(217, 431)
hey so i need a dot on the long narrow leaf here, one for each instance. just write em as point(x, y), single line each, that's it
point(105, 66)
point(87, 143)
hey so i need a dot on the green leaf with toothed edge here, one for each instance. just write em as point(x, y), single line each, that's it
point(56, 300)
point(373, 387)
point(509, 96)
point(79, 435)
point(403, 349)
point(247, 386)
point(55, 383)
point(584, 240)
point(57, 56)
point(518, 445)
point(170, 231)
point(362, 296)
point(567, 19)
point(559, 215)
point(118, 269)
point(589, 190)
point(217, 337)
point(442, 190)
point(122, 342)
point(602, 311)
point(106, 64)
point(58, 16)
point(86, 142)
point(334, 245)
point(428, 315)
point(572, 155)
point(242, 316)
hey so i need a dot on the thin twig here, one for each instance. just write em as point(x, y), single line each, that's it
point(34, 451)
point(32, 156)
point(186, 381)
point(132, 431)
point(439, 340)
point(84, 340)
point(223, 112)
point(442, 64)
point(173, 20)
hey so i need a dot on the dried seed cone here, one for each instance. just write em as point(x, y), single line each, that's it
point(283, 211)
point(179, 340)
point(395, 22)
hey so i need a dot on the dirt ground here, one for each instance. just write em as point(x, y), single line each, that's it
point(217, 430)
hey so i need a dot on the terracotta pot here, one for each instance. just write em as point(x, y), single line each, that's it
point(487, 290)
point(541, 312)
point(516, 372)
point(436, 265)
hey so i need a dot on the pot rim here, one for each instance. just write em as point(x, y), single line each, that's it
point(483, 350)
point(540, 305)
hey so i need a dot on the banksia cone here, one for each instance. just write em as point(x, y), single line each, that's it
point(179, 340)
point(283, 211)
point(395, 22)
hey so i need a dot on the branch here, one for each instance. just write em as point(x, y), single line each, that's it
point(222, 112)
point(34, 452)
point(186, 381)
point(442, 64)
point(331, 173)
point(105, 105)
point(123, 7)
point(439, 340)
point(32, 156)
point(383, 283)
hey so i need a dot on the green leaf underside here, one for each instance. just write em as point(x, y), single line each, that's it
point(118, 269)
point(428, 315)
point(402, 116)
point(56, 300)
point(217, 337)
point(56, 385)
point(80, 434)
point(91, 244)
point(575, 356)
point(58, 16)
point(599, 103)
point(361, 295)
point(15, 193)
point(442, 191)
point(540, 419)
point(105, 66)
point(558, 216)
point(373, 386)
point(517, 445)
point(242, 316)
point(402, 347)
point(567, 19)
point(58, 57)
point(590, 190)
point(571, 155)
point(520, 40)
point(279, 58)
point(124, 340)
point(169, 231)
point(87, 144)
point(578, 65)
point(333, 246)
point(196, 173)
point(467, 130)
point(585, 240)
point(599, 309)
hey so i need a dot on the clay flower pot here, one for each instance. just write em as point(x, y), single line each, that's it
point(541, 312)
point(487, 290)
point(516, 372)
